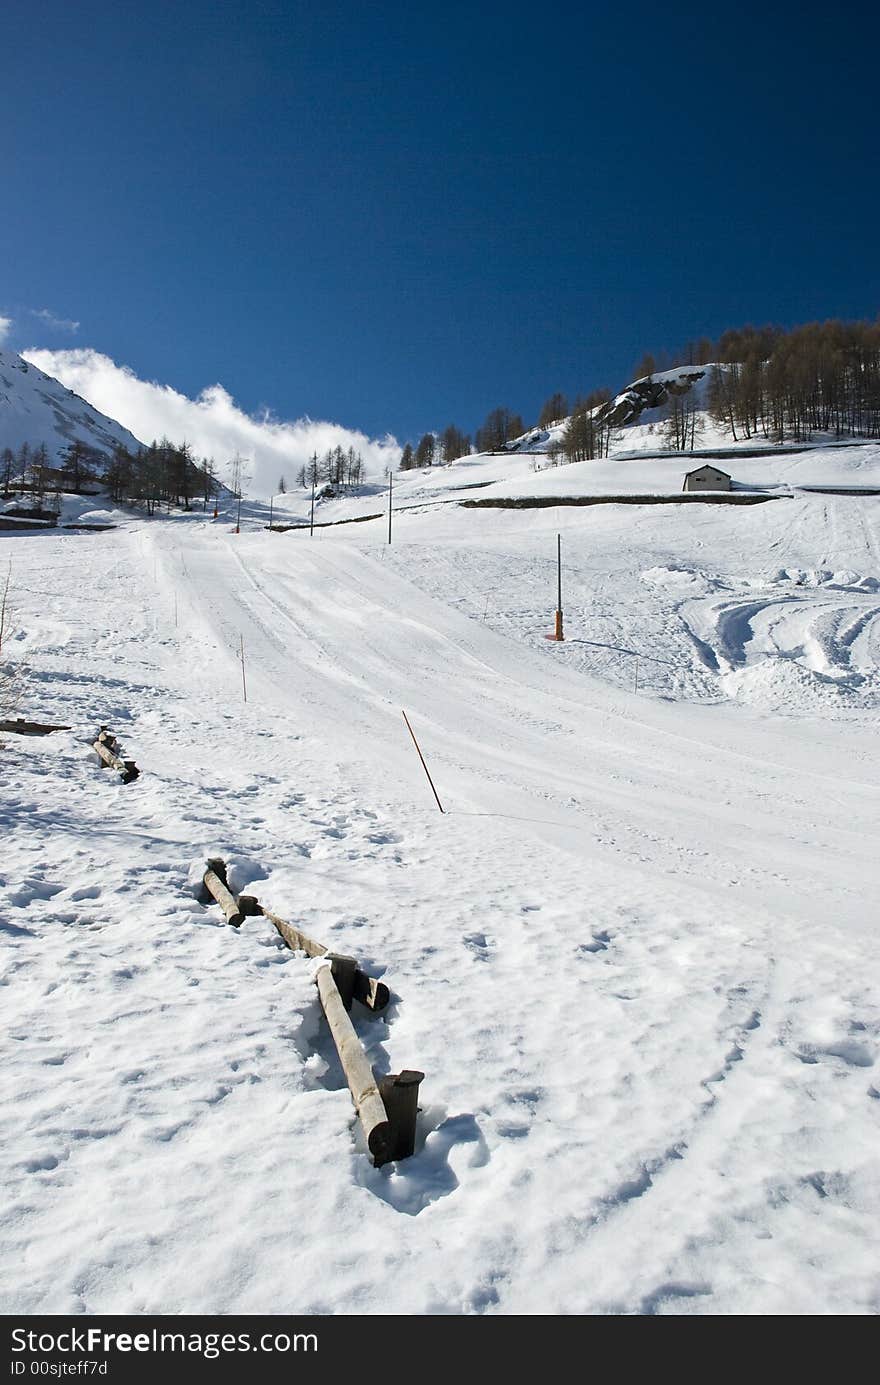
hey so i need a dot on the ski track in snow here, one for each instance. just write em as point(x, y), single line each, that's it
point(634, 958)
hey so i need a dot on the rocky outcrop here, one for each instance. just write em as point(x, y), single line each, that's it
point(650, 393)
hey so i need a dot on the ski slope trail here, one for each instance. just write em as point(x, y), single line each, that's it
point(633, 957)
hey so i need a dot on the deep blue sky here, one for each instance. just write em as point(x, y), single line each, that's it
point(397, 216)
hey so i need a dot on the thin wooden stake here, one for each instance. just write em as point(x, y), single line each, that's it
point(4, 605)
point(424, 766)
point(558, 628)
point(559, 573)
point(390, 487)
point(241, 656)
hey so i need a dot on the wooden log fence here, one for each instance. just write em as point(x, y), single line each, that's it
point(107, 748)
point(374, 994)
point(387, 1107)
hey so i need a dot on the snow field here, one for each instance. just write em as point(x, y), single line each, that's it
point(635, 959)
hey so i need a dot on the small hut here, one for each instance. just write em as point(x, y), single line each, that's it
point(706, 478)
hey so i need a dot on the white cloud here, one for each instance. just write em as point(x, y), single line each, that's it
point(58, 324)
point(212, 423)
point(5, 327)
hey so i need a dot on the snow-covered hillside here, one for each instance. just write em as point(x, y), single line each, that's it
point(635, 958)
point(636, 414)
point(35, 409)
point(636, 417)
point(781, 472)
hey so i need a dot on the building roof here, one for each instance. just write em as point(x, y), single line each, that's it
point(707, 466)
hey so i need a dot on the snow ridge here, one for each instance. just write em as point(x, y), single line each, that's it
point(35, 409)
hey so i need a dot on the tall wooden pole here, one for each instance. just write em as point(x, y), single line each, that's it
point(422, 758)
point(558, 635)
point(243, 679)
point(559, 572)
point(312, 514)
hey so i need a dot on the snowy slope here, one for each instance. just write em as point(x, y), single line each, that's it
point(636, 958)
point(783, 471)
point(35, 408)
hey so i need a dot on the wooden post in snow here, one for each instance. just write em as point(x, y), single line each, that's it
point(557, 627)
point(243, 678)
point(390, 490)
point(557, 631)
point(400, 1093)
point(424, 766)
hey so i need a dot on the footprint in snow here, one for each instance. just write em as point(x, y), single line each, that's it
point(599, 944)
point(478, 944)
point(854, 1054)
point(33, 888)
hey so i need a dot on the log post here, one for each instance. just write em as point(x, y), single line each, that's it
point(371, 993)
point(215, 883)
point(344, 971)
point(400, 1094)
point(358, 1072)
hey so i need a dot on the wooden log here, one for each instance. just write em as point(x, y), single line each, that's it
point(20, 727)
point(359, 1075)
point(215, 884)
point(296, 940)
point(400, 1094)
point(107, 745)
point(374, 994)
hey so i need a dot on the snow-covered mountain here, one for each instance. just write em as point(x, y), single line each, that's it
point(35, 408)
